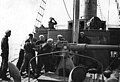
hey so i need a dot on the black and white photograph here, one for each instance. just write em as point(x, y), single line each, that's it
point(59, 40)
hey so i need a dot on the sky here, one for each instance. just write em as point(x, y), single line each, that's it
point(20, 15)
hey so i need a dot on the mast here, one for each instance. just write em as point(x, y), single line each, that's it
point(82, 9)
point(75, 20)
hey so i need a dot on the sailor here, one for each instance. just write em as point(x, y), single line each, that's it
point(59, 46)
point(83, 39)
point(5, 55)
point(39, 44)
point(29, 53)
point(30, 38)
point(21, 56)
point(41, 40)
point(60, 38)
point(52, 23)
point(47, 59)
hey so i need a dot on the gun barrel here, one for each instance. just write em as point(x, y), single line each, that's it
point(80, 47)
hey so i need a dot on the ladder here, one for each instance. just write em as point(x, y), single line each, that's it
point(40, 13)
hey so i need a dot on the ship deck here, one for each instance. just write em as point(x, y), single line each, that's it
point(48, 77)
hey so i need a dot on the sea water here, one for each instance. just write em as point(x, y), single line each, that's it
point(14, 51)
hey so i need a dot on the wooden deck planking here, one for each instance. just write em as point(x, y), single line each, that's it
point(51, 77)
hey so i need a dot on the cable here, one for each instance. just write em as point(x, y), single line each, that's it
point(117, 3)
point(111, 63)
point(66, 9)
point(100, 10)
point(108, 12)
point(118, 9)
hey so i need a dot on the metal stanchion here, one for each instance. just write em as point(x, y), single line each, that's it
point(119, 72)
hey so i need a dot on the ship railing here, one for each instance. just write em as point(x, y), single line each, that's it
point(63, 55)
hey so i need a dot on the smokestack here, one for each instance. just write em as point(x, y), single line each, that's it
point(88, 9)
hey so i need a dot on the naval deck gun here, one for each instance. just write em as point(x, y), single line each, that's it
point(80, 47)
point(67, 47)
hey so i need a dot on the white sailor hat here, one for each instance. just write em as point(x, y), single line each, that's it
point(58, 36)
point(7, 31)
point(41, 36)
point(82, 33)
point(49, 40)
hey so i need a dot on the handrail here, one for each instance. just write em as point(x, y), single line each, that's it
point(38, 56)
point(63, 61)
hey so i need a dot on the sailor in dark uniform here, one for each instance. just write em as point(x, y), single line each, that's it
point(39, 44)
point(52, 23)
point(21, 57)
point(5, 55)
point(59, 47)
point(83, 39)
point(47, 59)
point(28, 54)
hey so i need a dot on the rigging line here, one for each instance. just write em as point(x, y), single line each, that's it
point(66, 9)
point(118, 9)
point(108, 67)
point(108, 12)
point(117, 3)
point(101, 11)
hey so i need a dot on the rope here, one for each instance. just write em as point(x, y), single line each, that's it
point(100, 10)
point(111, 63)
point(66, 9)
point(118, 9)
point(108, 11)
point(117, 3)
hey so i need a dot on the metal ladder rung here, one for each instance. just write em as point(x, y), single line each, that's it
point(42, 7)
point(35, 26)
point(38, 20)
point(44, 1)
point(40, 14)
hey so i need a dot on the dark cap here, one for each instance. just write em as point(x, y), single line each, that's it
point(30, 34)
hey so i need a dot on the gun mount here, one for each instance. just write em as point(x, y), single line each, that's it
point(65, 46)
